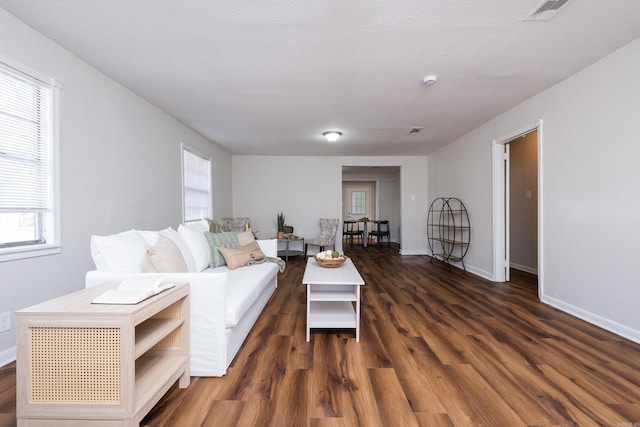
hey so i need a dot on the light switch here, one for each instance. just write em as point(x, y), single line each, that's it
point(413, 197)
point(528, 194)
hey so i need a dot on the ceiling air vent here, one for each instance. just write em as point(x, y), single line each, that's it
point(545, 10)
point(416, 130)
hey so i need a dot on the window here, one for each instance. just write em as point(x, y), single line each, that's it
point(29, 210)
point(196, 186)
point(357, 203)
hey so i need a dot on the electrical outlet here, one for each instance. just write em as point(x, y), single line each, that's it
point(5, 321)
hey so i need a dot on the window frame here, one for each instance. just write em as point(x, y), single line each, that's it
point(186, 149)
point(358, 202)
point(52, 244)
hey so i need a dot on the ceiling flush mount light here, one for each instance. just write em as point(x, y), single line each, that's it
point(429, 80)
point(332, 135)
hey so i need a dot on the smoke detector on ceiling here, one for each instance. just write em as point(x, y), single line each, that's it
point(429, 80)
point(545, 10)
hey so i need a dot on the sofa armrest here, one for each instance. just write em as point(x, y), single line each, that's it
point(269, 247)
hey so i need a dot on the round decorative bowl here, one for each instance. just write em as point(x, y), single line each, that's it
point(331, 263)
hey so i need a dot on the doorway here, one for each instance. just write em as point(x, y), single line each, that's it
point(522, 209)
point(386, 200)
point(514, 198)
point(358, 201)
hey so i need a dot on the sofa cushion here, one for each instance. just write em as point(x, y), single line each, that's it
point(193, 235)
point(164, 257)
point(244, 285)
point(240, 256)
point(226, 239)
point(122, 253)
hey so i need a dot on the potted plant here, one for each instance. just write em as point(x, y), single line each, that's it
point(280, 225)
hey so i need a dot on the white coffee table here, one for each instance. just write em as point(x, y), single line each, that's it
point(331, 296)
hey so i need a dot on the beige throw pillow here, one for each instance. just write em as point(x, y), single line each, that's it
point(165, 257)
point(240, 256)
point(246, 237)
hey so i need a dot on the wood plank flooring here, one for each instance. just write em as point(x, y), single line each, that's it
point(437, 348)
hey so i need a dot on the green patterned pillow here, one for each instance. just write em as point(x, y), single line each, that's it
point(225, 239)
point(218, 226)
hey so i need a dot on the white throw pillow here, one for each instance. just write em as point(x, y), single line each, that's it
point(182, 245)
point(203, 224)
point(122, 253)
point(193, 235)
point(151, 237)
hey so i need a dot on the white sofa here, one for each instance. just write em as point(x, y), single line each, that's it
point(225, 303)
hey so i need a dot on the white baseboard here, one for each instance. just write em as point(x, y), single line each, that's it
point(414, 252)
point(479, 272)
point(604, 323)
point(523, 268)
point(473, 270)
point(7, 356)
point(470, 268)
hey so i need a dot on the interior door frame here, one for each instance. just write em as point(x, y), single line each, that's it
point(507, 211)
point(500, 205)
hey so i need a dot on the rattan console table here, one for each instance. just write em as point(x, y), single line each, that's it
point(99, 365)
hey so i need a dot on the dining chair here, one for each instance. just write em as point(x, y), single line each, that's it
point(327, 237)
point(350, 230)
point(380, 230)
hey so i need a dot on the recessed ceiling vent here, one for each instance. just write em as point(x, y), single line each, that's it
point(545, 10)
point(416, 130)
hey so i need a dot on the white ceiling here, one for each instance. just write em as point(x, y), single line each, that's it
point(268, 77)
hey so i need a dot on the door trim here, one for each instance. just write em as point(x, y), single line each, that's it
point(499, 204)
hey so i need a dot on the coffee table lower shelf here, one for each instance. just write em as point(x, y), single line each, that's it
point(332, 314)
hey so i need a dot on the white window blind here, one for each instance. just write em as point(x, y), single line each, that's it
point(196, 181)
point(28, 168)
point(24, 145)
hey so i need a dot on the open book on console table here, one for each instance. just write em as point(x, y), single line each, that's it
point(133, 290)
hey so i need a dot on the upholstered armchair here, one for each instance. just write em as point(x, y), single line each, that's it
point(327, 237)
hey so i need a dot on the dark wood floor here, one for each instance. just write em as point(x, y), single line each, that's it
point(437, 348)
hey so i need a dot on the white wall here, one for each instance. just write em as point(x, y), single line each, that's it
point(463, 170)
point(308, 188)
point(388, 187)
point(590, 181)
point(120, 169)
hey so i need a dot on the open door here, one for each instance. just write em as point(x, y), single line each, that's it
point(502, 204)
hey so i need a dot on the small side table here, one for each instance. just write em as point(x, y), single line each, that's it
point(287, 252)
point(99, 365)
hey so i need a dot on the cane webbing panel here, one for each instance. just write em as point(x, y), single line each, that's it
point(170, 341)
point(172, 312)
point(74, 365)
